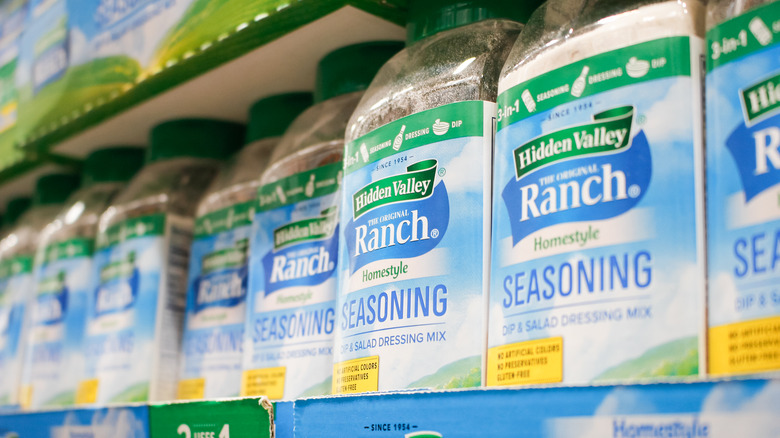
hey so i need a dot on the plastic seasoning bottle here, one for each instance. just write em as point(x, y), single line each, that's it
point(216, 296)
point(416, 216)
point(11, 312)
point(135, 315)
point(62, 275)
point(17, 286)
point(597, 269)
point(743, 185)
point(288, 351)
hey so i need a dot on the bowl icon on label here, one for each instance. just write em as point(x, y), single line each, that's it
point(636, 68)
point(440, 128)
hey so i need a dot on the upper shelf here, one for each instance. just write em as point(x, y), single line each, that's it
point(214, 60)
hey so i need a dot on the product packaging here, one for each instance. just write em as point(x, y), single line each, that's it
point(135, 312)
point(412, 305)
point(44, 58)
point(597, 272)
point(17, 283)
point(288, 351)
point(212, 347)
point(13, 14)
point(743, 186)
point(54, 352)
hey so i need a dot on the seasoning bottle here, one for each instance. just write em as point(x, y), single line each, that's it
point(291, 311)
point(743, 186)
point(597, 269)
point(416, 216)
point(212, 346)
point(17, 284)
point(135, 314)
point(62, 271)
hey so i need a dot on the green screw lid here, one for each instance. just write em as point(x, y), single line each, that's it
point(55, 188)
point(14, 209)
point(427, 17)
point(270, 116)
point(199, 138)
point(352, 68)
point(113, 164)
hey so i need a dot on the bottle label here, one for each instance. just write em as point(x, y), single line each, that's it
point(412, 294)
point(16, 281)
point(135, 310)
point(216, 297)
point(597, 268)
point(54, 356)
point(292, 277)
point(743, 190)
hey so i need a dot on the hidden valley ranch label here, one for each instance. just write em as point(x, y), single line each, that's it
point(743, 189)
point(597, 271)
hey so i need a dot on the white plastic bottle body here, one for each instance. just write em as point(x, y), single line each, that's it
point(415, 214)
point(743, 185)
point(598, 240)
point(140, 274)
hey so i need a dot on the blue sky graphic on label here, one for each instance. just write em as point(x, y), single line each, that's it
point(9, 333)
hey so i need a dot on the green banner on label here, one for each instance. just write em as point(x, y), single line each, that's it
point(51, 285)
point(144, 226)
point(610, 131)
point(662, 58)
point(416, 183)
point(21, 264)
point(69, 249)
point(300, 187)
point(308, 229)
point(761, 99)
point(456, 120)
point(226, 258)
point(225, 219)
point(744, 34)
point(244, 418)
point(119, 269)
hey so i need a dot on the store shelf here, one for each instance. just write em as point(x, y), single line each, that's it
point(713, 409)
point(706, 409)
point(274, 53)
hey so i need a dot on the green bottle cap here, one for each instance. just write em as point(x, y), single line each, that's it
point(114, 164)
point(199, 138)
point(352, 68)
point(15, 208)
point(270, 116)
point(55, 188)
point(427, 17)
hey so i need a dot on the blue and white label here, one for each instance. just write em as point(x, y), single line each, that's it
point(213, 341)
point(16, 281)
point(291, 315)
point(136, 310)
point(743, 192)
point(55, 358)
point(597, 270)
point(411, 305)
